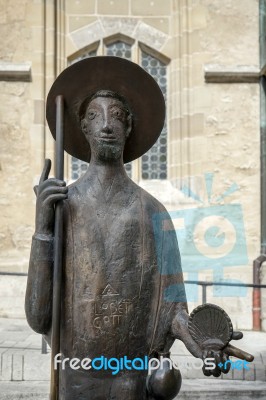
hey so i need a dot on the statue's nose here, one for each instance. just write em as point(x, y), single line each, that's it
point(107, 126)
point(107, 129)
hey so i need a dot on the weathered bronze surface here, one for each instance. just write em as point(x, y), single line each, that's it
point(115, 282)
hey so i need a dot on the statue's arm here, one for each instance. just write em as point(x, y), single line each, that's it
point(38, 301)
point(179, 330)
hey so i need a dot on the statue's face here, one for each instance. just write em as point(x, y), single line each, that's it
point(106, 126)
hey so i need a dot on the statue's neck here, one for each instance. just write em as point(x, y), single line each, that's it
point(106, 171)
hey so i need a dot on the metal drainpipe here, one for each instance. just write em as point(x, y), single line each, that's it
point(44, 77)
point(256, 309)
point(256, 298)
point(55, 4)
point(55, 37)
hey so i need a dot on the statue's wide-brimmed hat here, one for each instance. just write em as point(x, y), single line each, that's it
point(86, 77)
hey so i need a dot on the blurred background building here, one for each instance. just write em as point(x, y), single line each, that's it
point(208, 57)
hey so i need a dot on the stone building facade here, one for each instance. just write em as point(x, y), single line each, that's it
point(205, 56)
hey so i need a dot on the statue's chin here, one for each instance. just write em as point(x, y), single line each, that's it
point(109, 152)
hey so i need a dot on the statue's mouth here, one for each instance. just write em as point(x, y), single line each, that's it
point(108, 138)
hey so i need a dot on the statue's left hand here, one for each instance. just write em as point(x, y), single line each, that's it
point(221, 356)
point(180, 331)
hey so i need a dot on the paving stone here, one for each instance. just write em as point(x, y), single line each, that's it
point(17, 336)
point(6, 367)
point(249, 375)
point(238, 374)
point(12, 351)
point(9, 343)
point(260, 373)
point(36, 366)
point(3, 350)
point(17, 367)
point(263, 357)
point(229, 375)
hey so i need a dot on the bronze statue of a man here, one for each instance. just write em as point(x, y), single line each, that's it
point(114, 301)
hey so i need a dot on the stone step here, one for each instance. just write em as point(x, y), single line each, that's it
point(24, 390)
point(203, 389)
point(197, 389)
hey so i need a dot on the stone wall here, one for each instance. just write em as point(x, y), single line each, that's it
point(16, 152)
point(219, 124)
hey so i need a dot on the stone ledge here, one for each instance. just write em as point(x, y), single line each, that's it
point(233, 74)
point(15, 72)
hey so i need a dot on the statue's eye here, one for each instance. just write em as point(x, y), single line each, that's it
point(91, 114)
point(118, 113)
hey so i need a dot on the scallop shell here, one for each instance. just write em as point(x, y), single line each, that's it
point(209, 322)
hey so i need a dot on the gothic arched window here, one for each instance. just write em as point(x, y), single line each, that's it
point(154, 162)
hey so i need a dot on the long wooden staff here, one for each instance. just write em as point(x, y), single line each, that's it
point(58, 250)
